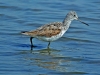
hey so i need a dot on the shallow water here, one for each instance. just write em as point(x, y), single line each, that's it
point(76, 53)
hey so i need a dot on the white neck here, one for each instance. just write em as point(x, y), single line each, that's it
point(66, 23)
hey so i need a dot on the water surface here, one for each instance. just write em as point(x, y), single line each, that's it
point(76, 53)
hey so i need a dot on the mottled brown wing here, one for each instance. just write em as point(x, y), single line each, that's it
point(50, 29)
point(47, 30)
point(49, 33)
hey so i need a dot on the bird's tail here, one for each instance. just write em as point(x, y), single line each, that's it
point(24, 32)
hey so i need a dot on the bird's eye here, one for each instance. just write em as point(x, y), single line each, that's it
point(74, 15)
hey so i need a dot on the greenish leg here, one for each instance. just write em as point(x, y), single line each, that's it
point(31, 41)
point(48, 44)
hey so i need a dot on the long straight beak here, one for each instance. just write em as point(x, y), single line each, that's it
point(83, 22)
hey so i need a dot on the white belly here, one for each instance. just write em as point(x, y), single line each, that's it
point(53, 38)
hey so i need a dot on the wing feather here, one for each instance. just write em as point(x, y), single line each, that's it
point(47, 30)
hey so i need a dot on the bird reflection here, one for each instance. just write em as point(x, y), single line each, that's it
point(48, 59)
point(47, 50)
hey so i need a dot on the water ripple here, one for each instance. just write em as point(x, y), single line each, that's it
point(76, 53)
